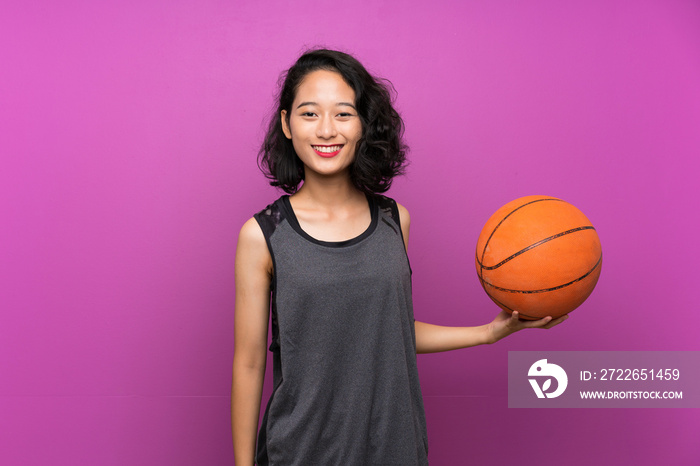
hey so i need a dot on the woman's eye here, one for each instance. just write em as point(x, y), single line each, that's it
point(308, 114)
point(345, 115)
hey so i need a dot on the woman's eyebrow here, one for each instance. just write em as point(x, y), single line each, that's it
point(306, 103)
point(345, 104)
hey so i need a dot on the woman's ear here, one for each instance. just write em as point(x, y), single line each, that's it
point(285, 124)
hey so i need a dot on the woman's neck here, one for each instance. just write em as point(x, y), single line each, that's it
point(329, 193)
point(331, 211)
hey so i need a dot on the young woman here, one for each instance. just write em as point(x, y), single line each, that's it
point(327, 263)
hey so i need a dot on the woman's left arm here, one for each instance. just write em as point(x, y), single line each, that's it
point(435, 338)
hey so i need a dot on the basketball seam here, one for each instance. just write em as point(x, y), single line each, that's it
point(544, 290)
point(532, 246)
point(509, 309)
point(483, 253)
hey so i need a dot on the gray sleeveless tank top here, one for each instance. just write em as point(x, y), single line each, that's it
point(346, 389)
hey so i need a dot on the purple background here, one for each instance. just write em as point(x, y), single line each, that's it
point(128, 133)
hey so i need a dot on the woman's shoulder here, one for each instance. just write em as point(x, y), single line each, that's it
point(251, 232)
point(403, 214)
point(262, 224)
point(253, 257)
point(397, 212)
point(391, 207)
point(270, 217)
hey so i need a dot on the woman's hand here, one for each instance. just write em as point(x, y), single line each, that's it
point(505, 324)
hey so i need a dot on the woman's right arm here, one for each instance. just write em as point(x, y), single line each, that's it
point(253, 275)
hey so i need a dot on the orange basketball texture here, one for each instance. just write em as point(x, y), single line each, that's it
point(538, 255)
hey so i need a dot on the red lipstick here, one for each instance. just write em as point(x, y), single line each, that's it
point(327, 155)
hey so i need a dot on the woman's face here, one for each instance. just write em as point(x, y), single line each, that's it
point(323, 124)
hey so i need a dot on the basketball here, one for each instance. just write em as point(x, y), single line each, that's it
point(540, 256)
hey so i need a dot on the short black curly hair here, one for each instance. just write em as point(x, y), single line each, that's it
point(381, 151)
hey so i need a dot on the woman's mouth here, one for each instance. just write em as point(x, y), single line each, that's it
point(327, 151)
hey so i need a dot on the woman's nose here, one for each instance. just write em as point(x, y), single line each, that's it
point(326, 128)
